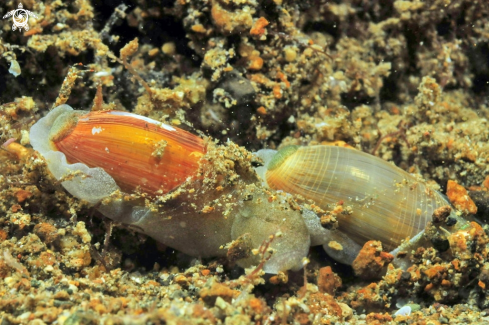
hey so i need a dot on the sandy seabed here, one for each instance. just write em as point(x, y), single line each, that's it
point(406, 81)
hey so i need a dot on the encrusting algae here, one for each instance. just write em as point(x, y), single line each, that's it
point(401, 80)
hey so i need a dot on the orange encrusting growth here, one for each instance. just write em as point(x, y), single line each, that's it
point(134, 150)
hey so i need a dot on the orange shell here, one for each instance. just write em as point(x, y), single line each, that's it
point(133, 149)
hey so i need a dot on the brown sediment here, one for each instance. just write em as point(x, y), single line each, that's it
point(460, 198)
point(405, 80)
point(371, 263)
point(328, 282)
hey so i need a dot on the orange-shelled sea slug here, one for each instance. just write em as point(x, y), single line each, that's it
point(196, 196)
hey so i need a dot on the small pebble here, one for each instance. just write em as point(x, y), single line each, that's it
point(404, 311)
point(168, 48)
point(290, 54)
point(14, 68)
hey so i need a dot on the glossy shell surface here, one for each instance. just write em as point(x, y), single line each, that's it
point(136, 151)
point(388, 204)
point(96, 155)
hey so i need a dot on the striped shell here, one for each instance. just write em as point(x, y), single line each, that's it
point(136, 151)
point(211, 199)
point(388, 204)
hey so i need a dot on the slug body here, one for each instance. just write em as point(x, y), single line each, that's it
point(169, 184)
point(387, 203)
point(196, 196)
